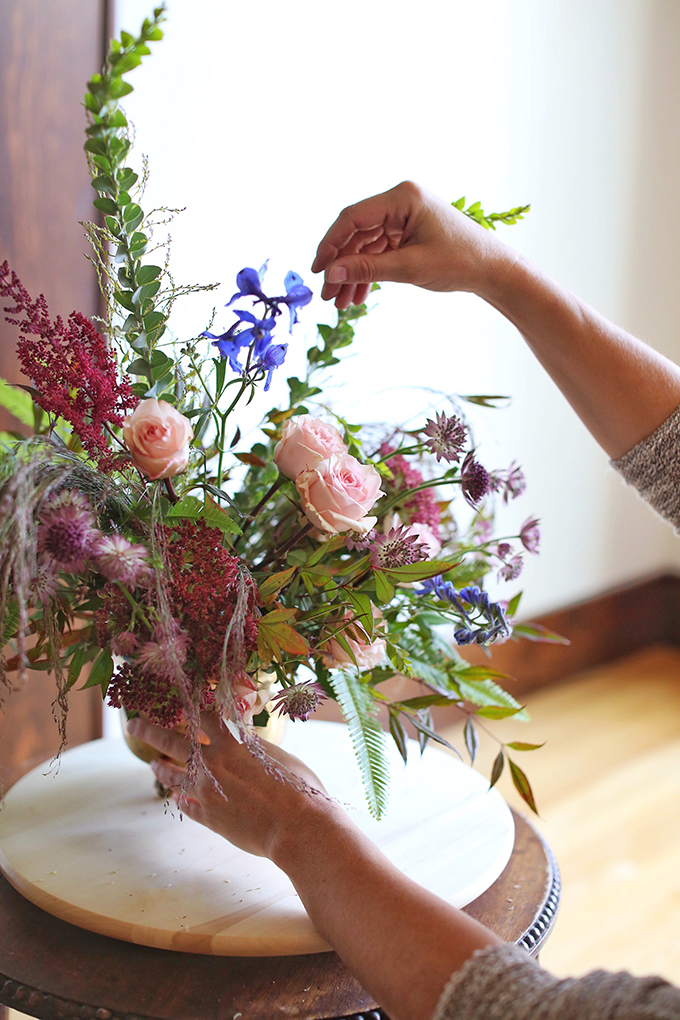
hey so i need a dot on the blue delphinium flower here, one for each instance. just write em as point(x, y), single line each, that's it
point(483, 620)
point(256, 333)
point(272, 358)
point(249, 283)
point(297, 296)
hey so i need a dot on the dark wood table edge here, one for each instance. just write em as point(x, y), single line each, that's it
point(47, 1006)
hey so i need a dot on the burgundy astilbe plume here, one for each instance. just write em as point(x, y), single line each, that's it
point(74, 372)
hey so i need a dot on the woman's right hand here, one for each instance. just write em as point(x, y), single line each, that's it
point(406, 235)
point(252, 802)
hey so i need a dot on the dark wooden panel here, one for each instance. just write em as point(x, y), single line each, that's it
point(48, 50)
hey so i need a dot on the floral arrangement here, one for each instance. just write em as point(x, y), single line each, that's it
point(142, 547)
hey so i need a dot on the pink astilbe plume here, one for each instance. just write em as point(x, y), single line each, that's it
point(74, 372)
point(421, 507)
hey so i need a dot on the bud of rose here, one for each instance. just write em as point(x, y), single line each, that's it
point(304, 442)
point(337, 494)
point(158, 437)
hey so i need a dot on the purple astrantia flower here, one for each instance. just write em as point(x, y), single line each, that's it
point(447, 436)
point(43, 585)
point(300, 700)
point(355, 541)
point(125, 643)
point(120, 560)
point(396, 549)
point(512, 482)
point(161, 656)
point(530, 535)
point(511, 570)
point(67, 533)
point(475, 480)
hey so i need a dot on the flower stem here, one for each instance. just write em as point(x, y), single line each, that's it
point(255, 511)
point(170, 489)
point(283, 549)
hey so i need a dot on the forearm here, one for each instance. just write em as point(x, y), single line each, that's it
point(621, 389)
point(400, 941)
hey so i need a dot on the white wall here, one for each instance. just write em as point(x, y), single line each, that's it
point(265, 119)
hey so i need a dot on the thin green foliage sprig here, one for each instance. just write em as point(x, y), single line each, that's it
point(489, 220)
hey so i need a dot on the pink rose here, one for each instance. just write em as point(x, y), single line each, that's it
point(158, 438)
point(337, 494)
point(304, 442)
point(367, 654)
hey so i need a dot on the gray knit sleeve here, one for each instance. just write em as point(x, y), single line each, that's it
point(653, 468)
point(504, 983)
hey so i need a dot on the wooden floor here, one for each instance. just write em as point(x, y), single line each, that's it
point(608, 789)
point(607, 785)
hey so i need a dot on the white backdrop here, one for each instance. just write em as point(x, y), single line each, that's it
point(265, 119)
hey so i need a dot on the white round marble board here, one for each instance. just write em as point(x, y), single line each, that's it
point(95, 846)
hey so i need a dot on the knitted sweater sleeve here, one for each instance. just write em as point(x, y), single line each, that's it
point(504, 983)
point(653, 468)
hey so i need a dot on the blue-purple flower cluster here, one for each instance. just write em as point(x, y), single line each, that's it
point(483, 620)
point(255, 334)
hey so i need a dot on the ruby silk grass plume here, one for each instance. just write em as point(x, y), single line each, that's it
point(149, 549)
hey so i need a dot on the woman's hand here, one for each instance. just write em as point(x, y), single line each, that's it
point(409, 236)
point(251, 804)
point(365, 908)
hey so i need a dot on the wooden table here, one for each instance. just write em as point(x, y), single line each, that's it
point(53, 969)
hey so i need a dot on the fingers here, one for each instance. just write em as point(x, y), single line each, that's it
point(362, 224)
point(168, 773)
point(170, 743)
point(349, 278)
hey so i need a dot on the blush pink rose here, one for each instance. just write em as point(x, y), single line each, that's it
point(304, 442)
point(367, 654)
point(337, 494)
point(158, 437)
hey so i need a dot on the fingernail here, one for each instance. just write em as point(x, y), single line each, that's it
point(336, 274)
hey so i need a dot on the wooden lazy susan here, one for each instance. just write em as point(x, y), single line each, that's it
point(92, 844)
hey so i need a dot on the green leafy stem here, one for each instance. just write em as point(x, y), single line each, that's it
point(108, 145)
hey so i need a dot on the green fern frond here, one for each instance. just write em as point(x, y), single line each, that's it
point(368, 738)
